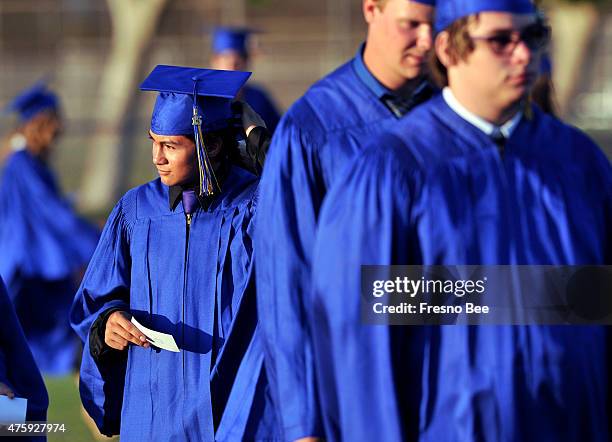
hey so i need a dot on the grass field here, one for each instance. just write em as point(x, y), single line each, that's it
point(65, 408)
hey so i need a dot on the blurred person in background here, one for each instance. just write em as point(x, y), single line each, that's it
point(176, 255)
point(19, 375)
point(332, 122)
point(543, 91)
point(475, 176)
point(231, 51)
point(45, 245)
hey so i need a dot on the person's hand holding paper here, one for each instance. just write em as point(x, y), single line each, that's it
point(161, 340)
point(120, 332)
point(12, 409)
point(5, 390)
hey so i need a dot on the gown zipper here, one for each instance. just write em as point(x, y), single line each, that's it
point(188, 217)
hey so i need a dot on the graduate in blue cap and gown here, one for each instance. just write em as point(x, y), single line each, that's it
point(176, 255)
point(473, 176)
point(45, 245)
point(332, 122)
point(19, 375)
point(230, 48)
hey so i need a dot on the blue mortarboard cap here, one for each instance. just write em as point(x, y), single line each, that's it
point(231, 39)
point(177, 86)
point(32, 101)
point(447, 11)
point(426, 2)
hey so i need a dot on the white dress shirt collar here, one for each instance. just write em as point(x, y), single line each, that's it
point(488, 128)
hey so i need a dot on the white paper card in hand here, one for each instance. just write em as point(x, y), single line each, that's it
point(13, 411)
point(158, 339)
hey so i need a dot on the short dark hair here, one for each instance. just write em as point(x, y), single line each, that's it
point(227, 137)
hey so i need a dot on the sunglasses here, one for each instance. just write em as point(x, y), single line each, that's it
point(535, 37)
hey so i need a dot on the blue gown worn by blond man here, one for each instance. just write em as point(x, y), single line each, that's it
point(313, 142)
point(436, 191)
point(18, 369)
point(44, 246)
point(192, 280)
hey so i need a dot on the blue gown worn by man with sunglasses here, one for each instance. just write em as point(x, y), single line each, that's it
point(435, 190)
point(184, 271)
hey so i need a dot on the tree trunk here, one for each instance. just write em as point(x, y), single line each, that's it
point(573, 26)
point(134, 23)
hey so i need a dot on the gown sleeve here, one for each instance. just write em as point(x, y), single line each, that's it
point(238, 381)
point(105, 286)
point(17, 367)
point(3, 377)
point(290, 198)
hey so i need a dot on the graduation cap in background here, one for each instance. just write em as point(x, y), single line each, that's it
point(32, 101)
point(194, 101)
point(448, 11)
point(227, 38)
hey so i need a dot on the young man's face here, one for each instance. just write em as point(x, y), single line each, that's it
point(175, 159)
point(229, 61)
point(42, 131)
point(399, 33)
point(503, 66)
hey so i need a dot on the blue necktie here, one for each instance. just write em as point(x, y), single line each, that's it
point(190, 201)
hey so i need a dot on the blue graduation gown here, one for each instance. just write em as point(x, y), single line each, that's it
point(260, 101)
point(312, 143)
point(197, 289)
point(435, 191)
point(45, 244)
point(17, 367)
